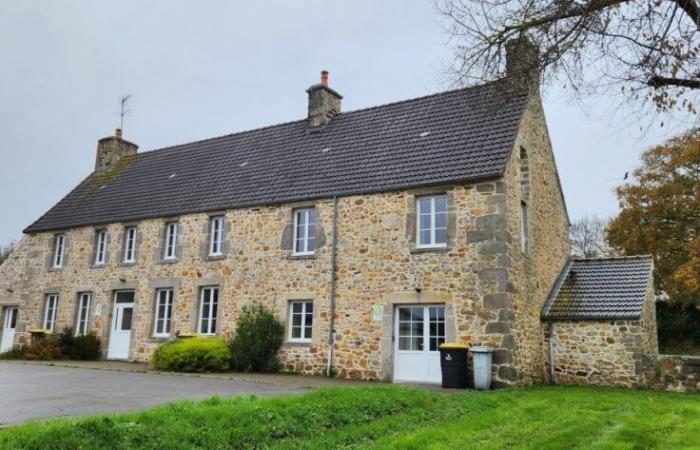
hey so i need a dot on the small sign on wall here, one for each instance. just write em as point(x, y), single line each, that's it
point(98, 309)
point(377, 312)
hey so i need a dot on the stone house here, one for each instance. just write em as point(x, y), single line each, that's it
point(374, 234)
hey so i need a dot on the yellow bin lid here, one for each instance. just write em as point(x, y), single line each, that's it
point(453, 346)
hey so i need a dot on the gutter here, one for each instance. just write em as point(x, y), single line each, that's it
point(334, 259)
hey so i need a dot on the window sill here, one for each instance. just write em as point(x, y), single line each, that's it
point(56, 269)
point(127, 264)
point(169, 261)
point(302, 256)
point(436, 249)
point(297, 344)
point(98, 266)
point(215, 257)
point(159, 339)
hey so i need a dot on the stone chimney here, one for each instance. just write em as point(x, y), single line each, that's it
point(522, 62)
point(324, 102)
point(111, 149)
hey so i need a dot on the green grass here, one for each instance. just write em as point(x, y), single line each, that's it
point(390, 417)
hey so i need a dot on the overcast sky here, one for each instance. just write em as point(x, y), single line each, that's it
point(201, 69)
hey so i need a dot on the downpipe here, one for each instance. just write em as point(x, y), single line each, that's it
point(334, 260)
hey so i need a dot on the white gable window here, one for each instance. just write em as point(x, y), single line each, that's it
point(50, 307)
point(100, 247)
point(170, 240)
point(523, 227)
point(432, 221)
point(305, 231)
point(208, 308)
point(82, 319)
point(163, 312)
point(216, 236)
point(130, 245)
point(59, 244)
point(301, 317)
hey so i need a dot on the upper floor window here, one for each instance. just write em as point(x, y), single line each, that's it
point(301, 317)
point(216, 236)
point(208, 308)
point(304, 231)
point(432, 221)
point(163, 312)
point(100, 247)
point(82, 319)
point(170, 240)
point(130, 245)
point(50, 307)
point(523, 227)
point(59, 250)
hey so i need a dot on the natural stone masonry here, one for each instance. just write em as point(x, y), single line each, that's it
point(492, 290)
point(670, 372)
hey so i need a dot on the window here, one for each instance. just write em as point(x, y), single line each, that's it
point(523, 227)
point(58, 250)
point(130, 245)
point(163, 312)
point(83, 317)
point(432, 221)
point(208, 306)
point(170, 240)
point(304, 231)
point(50, 311)
point(100, 247)
point(216, 236)
point(301, 317)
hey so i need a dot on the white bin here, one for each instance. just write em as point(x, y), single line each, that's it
point(482, 361)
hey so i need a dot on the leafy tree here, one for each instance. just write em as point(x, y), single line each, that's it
point(259, 336)
point(648, 50)
point(588, 238)
point(5, 251)
point(660, 215)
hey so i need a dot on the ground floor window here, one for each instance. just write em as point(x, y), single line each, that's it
point(208, 307)
point(83, 317)
point(163, 312)
point(301, 316)
point(50, 312)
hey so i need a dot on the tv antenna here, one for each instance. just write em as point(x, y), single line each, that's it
point(124, 99)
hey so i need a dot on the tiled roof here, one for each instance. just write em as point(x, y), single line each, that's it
point(601, 288)
point(459, 135)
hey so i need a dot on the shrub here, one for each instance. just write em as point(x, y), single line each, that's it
point(15, 353)
point(46, 348)
point(258, 338)
point(85, 347)
point(196, 354)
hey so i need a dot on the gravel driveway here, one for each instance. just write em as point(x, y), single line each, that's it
point(35, 391)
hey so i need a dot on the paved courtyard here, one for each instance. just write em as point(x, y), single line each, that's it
point(32, 391)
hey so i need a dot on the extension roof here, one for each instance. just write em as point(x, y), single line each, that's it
point(601, 288)
point(459, 135)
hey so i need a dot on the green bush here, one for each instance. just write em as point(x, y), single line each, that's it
point(46, 348)
point(258, 338)
point(15, 353)
point(85, 347)
point(197, 354)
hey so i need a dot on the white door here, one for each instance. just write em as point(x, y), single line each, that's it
point(120, 335)
point(419, 331)
point(8, 329)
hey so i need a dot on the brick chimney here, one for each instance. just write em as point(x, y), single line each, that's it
point(324, 102)
point(111, 149)
point(522, 62)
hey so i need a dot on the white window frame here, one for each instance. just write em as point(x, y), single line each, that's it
point(170, 250)
point(212, 316)
point(303, 337)
point(162, 329)
point(305, 238)
point(524, 229)
point(82, 324)
point(59, 250)
point(130, 244)
point(50, 307)
point(433, 228)
point(216, 236)
point(100, 247)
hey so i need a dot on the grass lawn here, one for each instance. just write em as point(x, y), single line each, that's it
point(389, 416)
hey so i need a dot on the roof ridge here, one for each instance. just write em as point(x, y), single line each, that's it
point(290, 122)
point(612, 258)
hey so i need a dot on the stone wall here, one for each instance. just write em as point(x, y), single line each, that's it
point(671, 372)
point(492, 292)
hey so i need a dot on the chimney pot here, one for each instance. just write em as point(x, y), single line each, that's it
point(324, 77)
point(118, 133)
